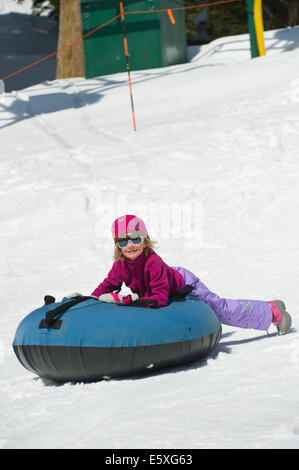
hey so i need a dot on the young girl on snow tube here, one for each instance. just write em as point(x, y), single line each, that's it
point(151, 279)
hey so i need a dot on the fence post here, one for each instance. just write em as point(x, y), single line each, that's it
point(122, 15)
point(251, 26)
point(256, 28)
point(259, 26)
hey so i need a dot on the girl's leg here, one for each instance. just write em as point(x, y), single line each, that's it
point(243, 313)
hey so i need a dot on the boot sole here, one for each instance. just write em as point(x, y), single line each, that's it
point(286, 322)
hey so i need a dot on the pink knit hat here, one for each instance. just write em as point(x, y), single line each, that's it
point(128, 226)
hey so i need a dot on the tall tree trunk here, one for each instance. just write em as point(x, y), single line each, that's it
point(70, 61)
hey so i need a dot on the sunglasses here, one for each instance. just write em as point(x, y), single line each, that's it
point(124, 242)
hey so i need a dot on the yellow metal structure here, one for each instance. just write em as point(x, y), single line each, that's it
point(259, 26)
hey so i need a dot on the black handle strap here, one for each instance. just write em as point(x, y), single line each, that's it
point(179, 297)
point(182, 294)
point(51, 320)
point(140, 303)
point(49, 299)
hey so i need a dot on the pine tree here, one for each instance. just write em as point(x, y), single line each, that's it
point(51, 7)
point(227, 20)
point(230, 19)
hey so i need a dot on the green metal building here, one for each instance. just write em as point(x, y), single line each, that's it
point(153, 41)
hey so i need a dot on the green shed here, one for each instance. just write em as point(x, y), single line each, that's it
point(153, 41)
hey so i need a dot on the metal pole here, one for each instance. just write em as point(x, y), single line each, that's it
point(259, 26)
point(122, 15)
point(251, 26)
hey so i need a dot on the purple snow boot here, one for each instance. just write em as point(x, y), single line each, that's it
point(285, 324)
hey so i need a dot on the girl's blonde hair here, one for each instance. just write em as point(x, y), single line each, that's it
point(149, 247)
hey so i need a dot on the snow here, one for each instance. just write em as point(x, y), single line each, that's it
point(213, 170)
point(11, 6)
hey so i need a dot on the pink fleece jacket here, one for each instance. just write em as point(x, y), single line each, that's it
point(149, 277)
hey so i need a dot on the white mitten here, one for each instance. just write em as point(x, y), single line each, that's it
point(113, 298)
point(75, 294)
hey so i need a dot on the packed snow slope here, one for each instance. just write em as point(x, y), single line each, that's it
point(213, 170)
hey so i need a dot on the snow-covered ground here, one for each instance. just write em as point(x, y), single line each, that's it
point(213, 170)
point(12, 6)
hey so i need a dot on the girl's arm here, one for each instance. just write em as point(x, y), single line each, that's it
point(159, 285)
point(111, 283)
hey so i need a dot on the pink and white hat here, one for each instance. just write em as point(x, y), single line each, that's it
point(128, 226)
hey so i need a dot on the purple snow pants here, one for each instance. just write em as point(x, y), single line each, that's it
point(255, 314)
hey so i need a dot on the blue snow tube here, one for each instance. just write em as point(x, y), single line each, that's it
point(93, 339)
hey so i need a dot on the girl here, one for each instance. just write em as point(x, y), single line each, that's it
point(152, 280)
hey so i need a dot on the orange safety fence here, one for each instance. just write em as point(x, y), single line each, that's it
point(201, 5)
point(169, 11)
point(59, 50)
point(122, 15)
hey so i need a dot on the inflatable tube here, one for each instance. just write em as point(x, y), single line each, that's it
point(93, 340)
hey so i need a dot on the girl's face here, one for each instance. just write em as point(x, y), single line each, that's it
point(132, 251)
